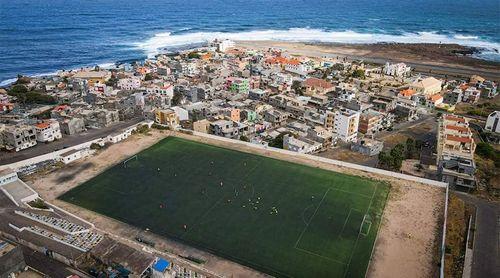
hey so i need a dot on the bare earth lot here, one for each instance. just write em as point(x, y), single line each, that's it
point(407, 241)
point(435, 58)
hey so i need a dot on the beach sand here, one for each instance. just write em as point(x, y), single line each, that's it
point(440, 59)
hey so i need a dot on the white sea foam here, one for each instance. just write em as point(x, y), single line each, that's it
point(7, 82)
point(154, 45)
point(464, 37)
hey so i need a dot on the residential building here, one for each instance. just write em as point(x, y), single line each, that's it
point(434, 101)
point(100, 118)
point(12, 260)
point(72, 125)
point(300, 145)
point(234, 115)
point(48, 131)
point(202, 126)
point(257, 94)
point(454, 97)
point(396, 70)
point(369, 147)
point(471, 95)
point(317, 86)
point(275, 117)
point(165, 89)
point(181, 113)
point(93, 77)
point(407, 93)
point(492, 123)
point(167, 117)
point(455, 152)
point(318, 100)
point(238, 85)
point(370, 122)
point(321, 135)
point(224, 45)
point(488, 89)
point(228, 129)
point(294, 66)
point(132, 83)
point(19, 137)
point(427, 86)
point(346, 124)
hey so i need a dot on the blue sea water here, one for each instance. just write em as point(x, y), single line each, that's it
point(42, 36)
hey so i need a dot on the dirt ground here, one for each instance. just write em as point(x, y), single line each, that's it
point(408, 237)
point(436, 58)
point(345, 154)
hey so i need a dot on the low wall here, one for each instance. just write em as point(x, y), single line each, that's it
point(323, 160)
point(49, 156)
point(56, 154)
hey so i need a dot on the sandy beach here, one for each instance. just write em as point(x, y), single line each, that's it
point(441, 59)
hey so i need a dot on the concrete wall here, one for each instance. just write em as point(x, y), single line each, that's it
point(56, 154)
point(326, 160)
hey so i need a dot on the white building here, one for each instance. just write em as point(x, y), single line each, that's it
point(48, 131)
point(346, 124)
point(298, 68)
point(73, 155)
point(492, 123)
point(182, 113)
point(166, 89)
point(302, 145)
point(397, 70)
point(129, 83)
point(224, 45)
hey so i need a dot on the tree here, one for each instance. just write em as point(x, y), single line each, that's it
point(193, 55)
point(148, 77)
point(244, 138)
point(177, 99)
point(18, 89)
point(278, 141)
point(112, 82)
point(410, 148)
point(297, 87)
point(359, 73)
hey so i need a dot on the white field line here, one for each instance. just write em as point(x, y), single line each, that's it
point(310, 219)
point(357, 239)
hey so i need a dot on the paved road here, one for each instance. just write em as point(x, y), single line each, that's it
point(65, 142)
point(486, 255)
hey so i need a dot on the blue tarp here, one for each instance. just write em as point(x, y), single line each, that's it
point(161, 265)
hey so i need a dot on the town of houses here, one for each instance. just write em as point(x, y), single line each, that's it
point(272, 98)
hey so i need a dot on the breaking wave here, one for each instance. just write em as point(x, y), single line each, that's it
point(161, 41)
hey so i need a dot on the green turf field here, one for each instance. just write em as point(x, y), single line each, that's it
point(281, 218)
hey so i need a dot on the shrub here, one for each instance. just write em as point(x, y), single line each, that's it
point(193, 55)
point(148, 77)
point(160, 127)
point(95, 146)
point(38, 203)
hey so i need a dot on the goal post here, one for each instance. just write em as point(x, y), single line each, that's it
point(129, 159)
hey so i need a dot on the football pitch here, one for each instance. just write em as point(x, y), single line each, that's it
point(281, 218)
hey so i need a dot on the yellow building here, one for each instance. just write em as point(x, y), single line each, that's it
point(202, 126)
point(167, 117)
point(93, 77)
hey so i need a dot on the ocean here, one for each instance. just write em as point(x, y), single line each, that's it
point(39, 37)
